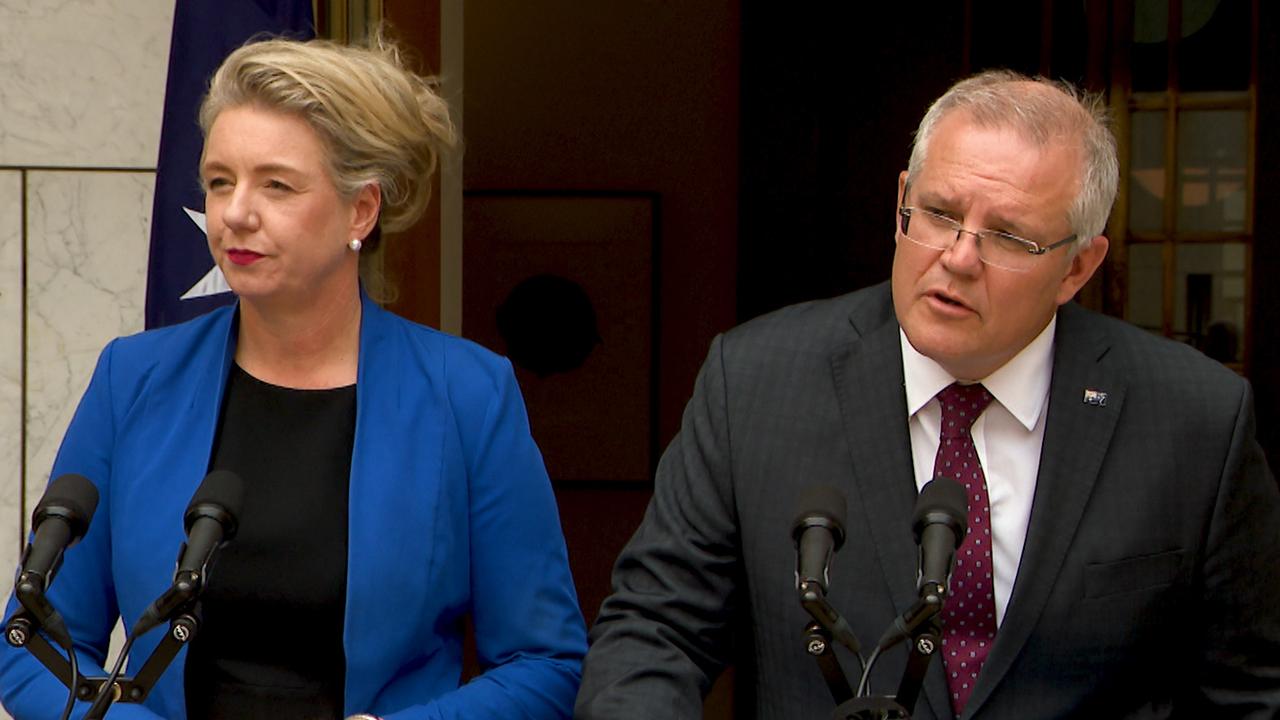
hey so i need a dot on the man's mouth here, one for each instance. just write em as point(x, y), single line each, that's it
point(950, 300)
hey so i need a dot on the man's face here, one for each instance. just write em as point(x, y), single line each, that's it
point(969, 317)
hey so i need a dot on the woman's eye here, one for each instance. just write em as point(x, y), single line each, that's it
point(277, 185)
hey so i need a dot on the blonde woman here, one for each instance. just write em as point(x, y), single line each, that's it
point(391, 484)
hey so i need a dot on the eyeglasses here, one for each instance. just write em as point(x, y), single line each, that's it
point(995, 248)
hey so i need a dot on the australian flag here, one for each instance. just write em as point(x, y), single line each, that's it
point(182, 281)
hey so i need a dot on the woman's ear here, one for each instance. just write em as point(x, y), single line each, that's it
point(365, 207)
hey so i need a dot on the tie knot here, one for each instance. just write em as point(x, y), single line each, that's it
point(961, 406)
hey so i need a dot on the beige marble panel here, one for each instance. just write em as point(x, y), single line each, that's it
point(10, 375)
point(82, 81)
point(86, 284)
point(10, 369)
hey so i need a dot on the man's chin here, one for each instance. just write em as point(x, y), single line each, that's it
point(946, 336)
point(952, 348)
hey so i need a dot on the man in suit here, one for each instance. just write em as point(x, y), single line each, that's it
point(1124, 528)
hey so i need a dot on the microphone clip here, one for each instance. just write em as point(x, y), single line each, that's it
point(814, 601)
point(186, 588)
point(912, 622)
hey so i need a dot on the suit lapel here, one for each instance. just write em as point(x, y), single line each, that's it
point(1079, 427)
point(869, 383)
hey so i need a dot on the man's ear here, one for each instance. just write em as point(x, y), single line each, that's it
point(1084, 264)
point(902, 196)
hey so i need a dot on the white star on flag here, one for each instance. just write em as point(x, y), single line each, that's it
point(213, 282)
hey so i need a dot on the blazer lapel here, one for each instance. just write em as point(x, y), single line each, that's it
point(202, 401)
point(397, 471)
point(869, 383)
point(378, 484)
point(1085, 400)
point(194, 378)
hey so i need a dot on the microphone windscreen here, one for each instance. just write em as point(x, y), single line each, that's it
point(220, 489)
point(821, 505)
point(71, 497)
point(941, 500)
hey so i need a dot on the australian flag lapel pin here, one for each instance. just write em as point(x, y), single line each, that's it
point(1096, 398)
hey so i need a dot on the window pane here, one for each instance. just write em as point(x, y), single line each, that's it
point(1210, 298)
point(1146, 286)
point(1211, 170)
point(1150, 45)
point(1214, 53)
point(1146, 171)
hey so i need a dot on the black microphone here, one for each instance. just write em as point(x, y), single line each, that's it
point(60, 519)
point(211, 521)
point(939, 527)
point(818, 533)
point(939, 524)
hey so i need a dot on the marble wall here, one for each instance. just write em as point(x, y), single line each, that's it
point(80, 113)
point(81, 98)
point(82, 81)
point(11, 410)
point(86, 249)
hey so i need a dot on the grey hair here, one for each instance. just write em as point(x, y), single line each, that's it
point(1041, 110)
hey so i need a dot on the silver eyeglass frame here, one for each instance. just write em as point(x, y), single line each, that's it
point(1033, 248)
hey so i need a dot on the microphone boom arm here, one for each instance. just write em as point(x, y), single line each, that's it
point(22, 631)
point(814, 601)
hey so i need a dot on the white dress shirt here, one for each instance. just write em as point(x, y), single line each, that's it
point(1008, 436)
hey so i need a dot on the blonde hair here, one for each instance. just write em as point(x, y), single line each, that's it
point(1042, 111)
point(381, 122)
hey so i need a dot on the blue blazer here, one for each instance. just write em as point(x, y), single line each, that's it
point(451, 512)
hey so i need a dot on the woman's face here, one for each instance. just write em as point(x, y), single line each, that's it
point(277, 226)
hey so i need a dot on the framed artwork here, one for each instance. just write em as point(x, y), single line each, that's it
point(564, 284)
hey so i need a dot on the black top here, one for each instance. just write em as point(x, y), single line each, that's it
point(270, 645)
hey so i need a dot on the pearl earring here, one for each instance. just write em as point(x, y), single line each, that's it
point(355, 244)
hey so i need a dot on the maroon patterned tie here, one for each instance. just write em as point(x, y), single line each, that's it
point(969, 617)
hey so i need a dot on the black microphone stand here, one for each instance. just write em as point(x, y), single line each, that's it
point(924, 635)
point(925, 643)
point(939, 525)
point(179, 605)
point(921, 625)
point(22, 631)
point(818, 634)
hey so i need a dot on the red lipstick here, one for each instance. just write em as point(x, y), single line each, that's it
point(243, 257)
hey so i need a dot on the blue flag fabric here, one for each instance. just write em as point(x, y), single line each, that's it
point(182, 281)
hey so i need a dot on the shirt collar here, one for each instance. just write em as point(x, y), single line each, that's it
point(1020, 385)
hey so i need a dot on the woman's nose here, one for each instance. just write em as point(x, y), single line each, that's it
point(239, 213)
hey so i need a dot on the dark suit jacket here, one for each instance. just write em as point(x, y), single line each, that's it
point(1148, 585)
